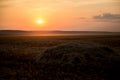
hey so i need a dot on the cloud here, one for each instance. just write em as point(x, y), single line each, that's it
point(4, 6)
point(80, 18)
point(6, 3)
point(107, 16)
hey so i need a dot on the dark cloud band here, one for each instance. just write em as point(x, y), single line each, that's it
point(107, 16)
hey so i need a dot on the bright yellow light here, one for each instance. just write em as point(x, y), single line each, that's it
point(40, 21)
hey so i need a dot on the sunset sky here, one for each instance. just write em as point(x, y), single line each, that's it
point(77, 15)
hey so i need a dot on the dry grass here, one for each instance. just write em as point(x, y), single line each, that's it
point(81, 59)
point(74, 59)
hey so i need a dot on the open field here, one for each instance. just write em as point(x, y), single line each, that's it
point(19, 57)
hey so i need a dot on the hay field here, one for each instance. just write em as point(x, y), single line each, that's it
point(24, 57)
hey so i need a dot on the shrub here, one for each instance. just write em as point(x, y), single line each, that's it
point(79, 61)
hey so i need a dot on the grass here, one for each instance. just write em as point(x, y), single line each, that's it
point(20, 58)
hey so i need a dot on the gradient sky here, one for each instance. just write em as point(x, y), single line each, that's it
point(83, 15)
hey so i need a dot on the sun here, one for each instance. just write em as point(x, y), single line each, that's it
point(40, 21)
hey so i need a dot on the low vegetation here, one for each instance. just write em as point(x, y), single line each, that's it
point(60, 58)
point(79, 61)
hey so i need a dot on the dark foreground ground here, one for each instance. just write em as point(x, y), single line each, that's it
point(19, 57)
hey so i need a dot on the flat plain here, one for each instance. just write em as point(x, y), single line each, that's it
point(19, 55)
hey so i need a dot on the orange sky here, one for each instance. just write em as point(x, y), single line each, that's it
point(101, 15)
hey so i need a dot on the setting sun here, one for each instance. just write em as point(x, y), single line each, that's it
point(40, 21)
point(67, 15)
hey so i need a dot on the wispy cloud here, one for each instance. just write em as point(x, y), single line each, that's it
point(79, 18)
point(4, 6)
point(107, 16)
point(5, 3)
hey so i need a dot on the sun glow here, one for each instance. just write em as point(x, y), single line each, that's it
point(40, 21)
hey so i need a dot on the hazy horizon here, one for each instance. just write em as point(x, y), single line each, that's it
point(56, 30)
point(66, 15)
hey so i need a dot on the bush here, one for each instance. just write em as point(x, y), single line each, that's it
point(80, 61)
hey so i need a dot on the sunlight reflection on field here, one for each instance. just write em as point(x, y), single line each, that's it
point(66, 34)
